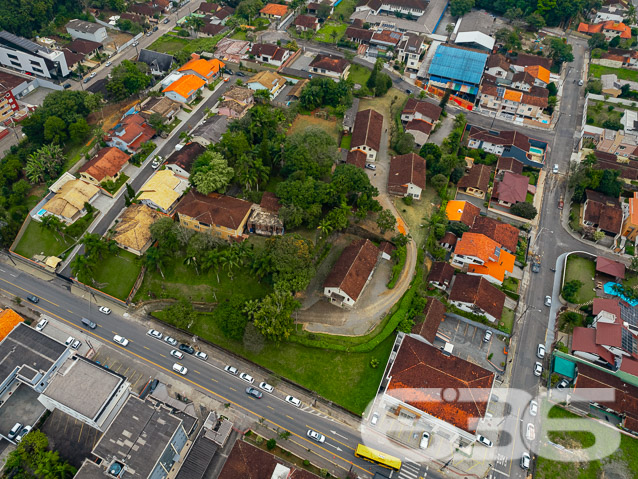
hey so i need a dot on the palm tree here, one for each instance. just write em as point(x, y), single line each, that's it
point(82, 268)
point(194, 23)
point(212, 259)
point(34, 169)
point(154, 259)
point(263, 171)
point(325, 227)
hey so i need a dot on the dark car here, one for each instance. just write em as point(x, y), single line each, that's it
point(67, 86)
point(254, 392)
point(33, 299)
point(186, 348)
point(240, 74)
point(155, 28)
point(227, 71)
point(86, 80)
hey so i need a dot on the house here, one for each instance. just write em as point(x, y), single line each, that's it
point(211, 30)
point(612, 268)
point(602, 212)
point(351, 273)
point(236, 102)
point(159, 105)
point(221, 16)
point(314, 8)
point(68, 203)
point(105, 166)
point(207, 70)
point(162, 191)
point(366, 133)
point(630, 224)
point(12, 88)
point(385, 39)
point(84, 47)
point(270, 202)
point(434, 313)
point(264, 222)
point(266, 80)
point(479, 255)
point(210, 130)
point(232, 51)
point(503, 233)
point(420, 130)
point(476, 181)
point(476, 295)
point(362, 36)
point(540, 75)
point(185, 88)
point(269, 53)
point(410, 51)
point(528, 102)
point(417, 378)
point(448, 242)
point(497, 66)
point(133, 231)
point(462, 211)
point(306, 23)
point(356, 158)
point(18, 53)
point(522, 81)
point(158, 63)
point(523, 60)
point(512, 188)
point(609, 28)
point(508, 164)
point(331, 66)
point(407, 175)
point(180, 162)
point(130, 133)
point(86, 30)
point(413, 9)
point(420, 110)
point(207, 8)
point(142, 9)
point(457, 65)
point(219, 215)
point(274, 11)
point(508, 144)
point(441, 275)
point(349, 116)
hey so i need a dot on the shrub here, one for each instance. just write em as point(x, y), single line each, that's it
point(306, 462)
point(408, 200)
point(271, 444)
point(570, 289)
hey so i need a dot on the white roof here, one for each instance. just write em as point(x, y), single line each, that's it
point(475, 37)
point(170, 78)
point(63, 180)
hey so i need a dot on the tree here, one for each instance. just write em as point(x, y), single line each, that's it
point(614, 42)
point(127, 79)
point(535, 21)
point(262, 95)
point(194, 23)
point(609, 184)
point(570, 289)
point(213, 173)
point(634, 264)
point(289, 260)
point(164, 231)
point(79, 130)
point(524, 210)
point(323, 12)
point(322, 91)
point(560, 51)
point(513, 13)
point(272, 316)
point(312, 151)
point(180, 314)
point(598, 235)
point(232, 318)
point(458, 8)
point(386, 220)
point(55, 130)
point(597, 40)
point(404, 143)
point(439, 181)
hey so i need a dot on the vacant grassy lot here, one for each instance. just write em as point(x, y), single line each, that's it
point(331, 32)
point(623, 462)
point(181, 281)
point(117, 273)
point(507, 320)
point(418, 212)
point(359, 74)
point(621, 73)
point(583, 270)
point(345, 378)
point(598, 112)
point(304, 121)
point(39, 240)
point(172, 45)
point(394, 98)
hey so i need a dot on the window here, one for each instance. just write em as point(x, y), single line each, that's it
point(12, 56)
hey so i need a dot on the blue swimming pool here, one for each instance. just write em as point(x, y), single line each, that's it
point(609, 289)
point(41, 213)
point(536, 151)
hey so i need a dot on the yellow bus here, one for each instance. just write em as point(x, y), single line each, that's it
point(377, 457)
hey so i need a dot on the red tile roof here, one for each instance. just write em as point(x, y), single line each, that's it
point(584, 340)
point(434, 313)
point(526, 60)
point(404, 170)
point(422, 374)
point(267, 49)
point(462, 211)
point(478, 291)
point(609, 334)
point(509, 164)
point(497, 60)
point(441, 273)
point(425, 108)
point(270, 202)
point(356, 158)
point(185, 157)
point(354, 33)
point(478, 177)
point(503, 233)
point(214, 209)
point(419, 125)
point(331, 63)
point(274, 9)
point(611, 305)
point(603, 211)
point(511, 189)
point(449, 238)
point(307, 21)
point(352, 270)
point(610, 267)
point(82, 46)
point(108, 162)
point(623, 30)
point(368, 127)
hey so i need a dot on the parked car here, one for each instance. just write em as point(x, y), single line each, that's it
point(186, 348)
point(374, 419)
point(104, 310)
point(33, 299)
point(425, 440)
point(108, 64)
point(153, 333)
point(487, 336)
point(69, 341)
point(538, 368)
point(171, 341)
point(370, 166)
point(41, 324)
point(555, 169)
point(92, 75)
point(231, 370)
point(24, 432)
point(155, 164)
point(202, 356)
point(14, 430)
point(548, 300)
point(178, 368)
point(485, 441)
point(166, 20)
point(563, 384)
point(408, 91)
point(315, 436)
point(227, 71)
point(254, 392)
point(66, 86)
point(149, 33)
point(533, 408)
point(266, 387)
point(580, 83)
point(76, 344)
point(540, 351)
point(177, 354)
point(155, 28)
point(525, 461)
point(86, 80)
point(293, 400)
point(240, 74)
point(530, 432)
point(134, 44)
point(246, 377)
point(121, 340)
point(88, 323)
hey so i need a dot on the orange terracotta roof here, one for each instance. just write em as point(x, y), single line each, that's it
point(539, 72)
point(512, 95)
point(106, 163)
point(633, 209)
point(462, 211)
point(274, 9)
point(205, 68)
point(186, 85)
point(496, 270)
point(9, 319)
point(496, 260)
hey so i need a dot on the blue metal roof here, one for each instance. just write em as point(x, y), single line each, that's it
point(457, 64)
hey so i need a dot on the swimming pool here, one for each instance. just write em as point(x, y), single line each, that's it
point(535, 151)
point(609, 289)
point(41, 213)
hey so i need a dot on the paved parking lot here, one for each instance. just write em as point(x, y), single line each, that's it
point(72, 438)
point(22, 406)
point(136, 372)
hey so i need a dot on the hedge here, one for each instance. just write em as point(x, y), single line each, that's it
point(400, 256)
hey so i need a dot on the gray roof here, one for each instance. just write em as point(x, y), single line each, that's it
point(351, 113)
point(21, 43)
point(82, 26)
point(24, 346)
point(162, 61)
point(198, 458)
point(90, 470)
point(138, 437)
point(212, 129)
point(84, 386)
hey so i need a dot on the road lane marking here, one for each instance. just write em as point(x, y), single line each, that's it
point(70, 311)
point(232, 389)
point(331, 437)
point(196, 371)
point(291, 418)
point(270, 407)
point(160, 354)
point(518, 415)
point(26, 290)
point(213, 379)
point(146, 347)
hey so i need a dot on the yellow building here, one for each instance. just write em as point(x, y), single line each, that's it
point(133, 232)
point(630, 226)
point(161, 191)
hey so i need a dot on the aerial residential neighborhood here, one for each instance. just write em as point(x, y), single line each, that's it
point(352, 239)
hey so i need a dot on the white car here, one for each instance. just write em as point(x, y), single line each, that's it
point(153, 333)
point(266, 387)
point(540, 351)
point(178, 368)
point(425, 440)
point(41, 325)
point(202, 356)
point(171, 341)
point(293, 400)
point(246, 377)
point(104, 310)
point(108, 64)
point(76, 344)
point(231, 370)
point(538, 368)
point(370, 166)
point(155, 164)
point(525, 461)
point(530, 432)
point(315, 436)
point(24, 432)
point(487, 336)
point(69, 341)
point(555, 169)
point(548, 300)
point(533, 408)
point(122, 341)
point(177, 354)
point(485, 441)
point(374, 419)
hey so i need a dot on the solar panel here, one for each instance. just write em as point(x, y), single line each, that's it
point(628, 341)
point(629, 314)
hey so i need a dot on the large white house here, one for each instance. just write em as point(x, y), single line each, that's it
point(86, 30)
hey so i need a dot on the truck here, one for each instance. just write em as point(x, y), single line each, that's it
point(536, 263)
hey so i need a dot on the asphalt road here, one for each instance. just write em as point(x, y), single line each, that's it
point(57, 301)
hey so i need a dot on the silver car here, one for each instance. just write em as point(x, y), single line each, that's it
point(315, 436)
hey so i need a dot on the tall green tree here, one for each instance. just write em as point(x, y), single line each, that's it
point(458, 8)
point(272, 316)
point(127, 79)
point(211, 173)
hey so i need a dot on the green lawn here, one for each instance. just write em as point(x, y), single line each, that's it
point(529, 198)
point(621, 73)
point(574, 217)
point(623, 461)
point(181, 280)
point(532, 175)
point(359, 74)
point(172, 45)
point(345, 378)
point(507, 320)
point(113, 187)
point(117, 273)
point(239, 35)
point(39, 240)
point(344, 10)
point(345, 142)
point(325, 33)
point(583, 270)
point(598, 112)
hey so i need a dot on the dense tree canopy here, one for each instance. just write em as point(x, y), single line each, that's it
point(288, 260)
point(322, 91)
point(211, 173)
point(553, 12)
point(312, 151)
point(127, 79)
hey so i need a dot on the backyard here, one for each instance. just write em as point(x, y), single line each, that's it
point(117, 273)
point(599, 112)
point(620, 463)
point(583, 270)
point(40, 240)
point(621, 73)
point(331, 32)
point(359, 74)
point(172, 45)
point(384, 104)
point(416, 214)
point(304, 121)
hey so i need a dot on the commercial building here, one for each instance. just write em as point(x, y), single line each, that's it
point(457, 69)
point(24, 55)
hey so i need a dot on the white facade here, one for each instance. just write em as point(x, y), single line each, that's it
point(347, 301)
point(487, 147)
point(35, 64)
point(178, 170)
point(471, 308)
point(371, 154)
point(86, 31)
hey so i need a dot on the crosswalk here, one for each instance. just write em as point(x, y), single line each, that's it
point(409, 470)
